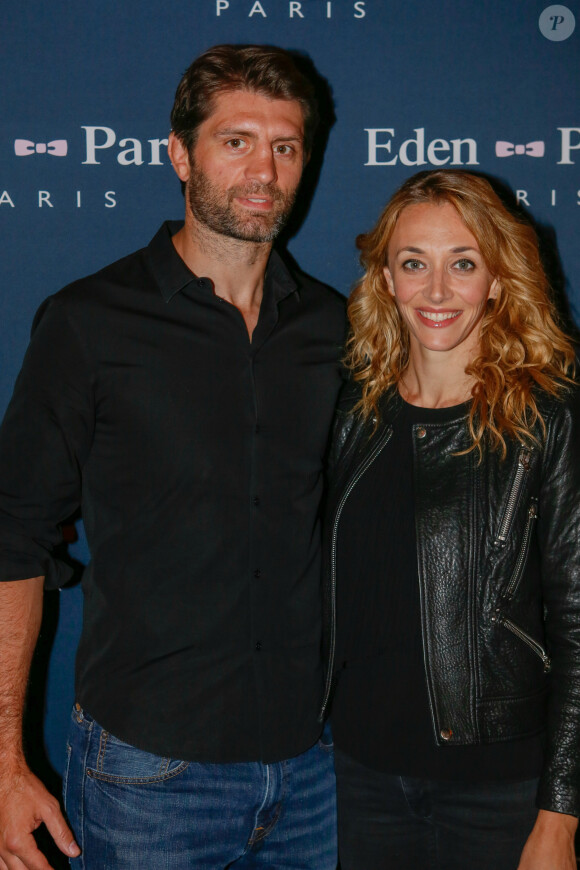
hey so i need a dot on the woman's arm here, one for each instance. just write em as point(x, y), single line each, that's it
point(550, 846)
point(559, 540)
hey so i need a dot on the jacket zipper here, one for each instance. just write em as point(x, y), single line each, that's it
point(522, 468)
point(353, 482)
point(512, 586)
point(525, 637)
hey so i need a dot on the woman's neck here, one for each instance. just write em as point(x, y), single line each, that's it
point(435, 380)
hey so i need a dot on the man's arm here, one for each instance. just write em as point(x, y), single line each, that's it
point(24, 802)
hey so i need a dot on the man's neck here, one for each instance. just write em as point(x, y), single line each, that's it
point(235, 266)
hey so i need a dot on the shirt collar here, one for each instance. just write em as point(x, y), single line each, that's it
point(169, 270)
point(279, 278)
point(172, 275)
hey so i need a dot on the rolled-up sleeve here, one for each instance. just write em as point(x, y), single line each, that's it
point(44, 440)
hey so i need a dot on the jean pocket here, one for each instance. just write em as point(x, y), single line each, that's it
point(66, 771)
point(120, 762)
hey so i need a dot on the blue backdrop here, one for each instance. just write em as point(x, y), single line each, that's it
point(84, 176)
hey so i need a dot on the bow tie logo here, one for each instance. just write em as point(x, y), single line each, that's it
point(24, 147)
point(507, 149)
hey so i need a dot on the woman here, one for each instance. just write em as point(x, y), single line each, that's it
point(454, 525)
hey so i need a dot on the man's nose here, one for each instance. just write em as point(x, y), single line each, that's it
point(261, 165)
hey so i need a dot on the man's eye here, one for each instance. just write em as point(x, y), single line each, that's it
point(465, 265)
point(235, 143)
point(413, 265)
point(283, 149)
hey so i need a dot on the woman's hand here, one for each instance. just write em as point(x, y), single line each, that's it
point(550, 846)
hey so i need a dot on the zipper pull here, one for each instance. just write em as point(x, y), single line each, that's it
point(507, 596)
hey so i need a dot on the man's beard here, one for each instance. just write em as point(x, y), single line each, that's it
point(215, 208)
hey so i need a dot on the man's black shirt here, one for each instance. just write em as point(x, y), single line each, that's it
point(197, 455)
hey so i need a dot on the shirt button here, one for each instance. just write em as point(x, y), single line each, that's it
point(258, 646)
point(421, 432)
point(256, 500)
point(446, 733)
point(257, 573)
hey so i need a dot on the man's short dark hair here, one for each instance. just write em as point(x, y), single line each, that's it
point(261, 69)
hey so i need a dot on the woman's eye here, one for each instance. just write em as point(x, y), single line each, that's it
point(413, 265)
point(465, 265)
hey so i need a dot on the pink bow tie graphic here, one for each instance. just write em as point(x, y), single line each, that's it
point(24, 147)
point(507, 149)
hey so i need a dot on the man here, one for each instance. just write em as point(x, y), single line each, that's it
point(184, 397)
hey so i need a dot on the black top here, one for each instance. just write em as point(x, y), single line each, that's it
point(199, 455)
point(381, 714)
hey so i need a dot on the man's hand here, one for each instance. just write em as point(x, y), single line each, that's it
point(550, 846)
point(24, 805)
point(24, 802)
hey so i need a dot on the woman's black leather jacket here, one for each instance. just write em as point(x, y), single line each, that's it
point(498, 545)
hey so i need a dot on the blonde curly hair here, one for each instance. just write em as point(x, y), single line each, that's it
point(523, 348)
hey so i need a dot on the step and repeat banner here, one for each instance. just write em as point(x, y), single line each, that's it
point(84, 177)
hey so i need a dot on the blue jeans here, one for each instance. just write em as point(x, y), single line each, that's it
point(402, 823)
point(131, 810)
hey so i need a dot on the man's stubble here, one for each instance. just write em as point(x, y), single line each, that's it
point(215, 208)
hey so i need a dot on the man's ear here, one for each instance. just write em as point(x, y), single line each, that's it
point(179, 156)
